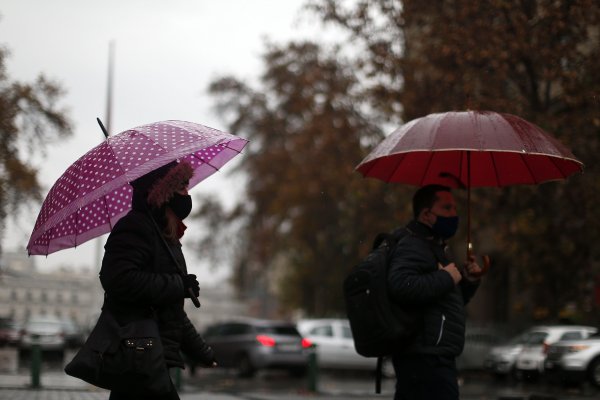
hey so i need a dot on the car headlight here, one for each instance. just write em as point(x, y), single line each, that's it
point(577, 348)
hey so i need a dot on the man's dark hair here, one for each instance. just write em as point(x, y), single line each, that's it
point(425, 197)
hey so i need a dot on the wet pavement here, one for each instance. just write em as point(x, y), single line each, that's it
point(223, 385)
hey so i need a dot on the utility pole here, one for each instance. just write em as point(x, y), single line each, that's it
point(98, 295)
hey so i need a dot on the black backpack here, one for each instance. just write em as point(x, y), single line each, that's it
point(378, 325)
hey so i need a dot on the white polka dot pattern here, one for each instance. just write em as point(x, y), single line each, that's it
point(94, 192)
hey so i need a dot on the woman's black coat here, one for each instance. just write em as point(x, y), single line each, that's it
point(140, 279)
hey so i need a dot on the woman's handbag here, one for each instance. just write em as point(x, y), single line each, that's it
point(126, 358)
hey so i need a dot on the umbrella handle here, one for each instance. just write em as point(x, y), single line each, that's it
point(194, 298)
point(484, 268)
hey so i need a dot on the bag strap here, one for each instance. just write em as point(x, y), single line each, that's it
point(180, 269)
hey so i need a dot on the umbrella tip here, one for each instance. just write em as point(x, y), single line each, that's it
point(103, 128)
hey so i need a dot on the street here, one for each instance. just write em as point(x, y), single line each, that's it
point(271, 385)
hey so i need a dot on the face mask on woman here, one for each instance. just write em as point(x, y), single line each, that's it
point(181, 204)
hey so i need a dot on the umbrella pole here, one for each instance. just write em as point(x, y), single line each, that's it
point(486, 259)
point(469, 244)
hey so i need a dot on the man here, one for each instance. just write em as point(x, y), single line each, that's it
point(422, 279)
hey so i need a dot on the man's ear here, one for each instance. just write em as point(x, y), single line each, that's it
point(425, 216)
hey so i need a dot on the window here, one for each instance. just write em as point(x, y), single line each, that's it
point(323, 330)
point(572, 335)
point(536, 337)
point(347, 332)
point(278, 329)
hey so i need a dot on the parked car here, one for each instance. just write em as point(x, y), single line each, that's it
point(45, 331)
point(530, 361)
point(10, 332)
point(73, 334)
point(479, 342)
point(500, 359)
point(249, 345)
point(335, 346)
point(575, 360)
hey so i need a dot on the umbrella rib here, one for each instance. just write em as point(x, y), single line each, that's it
point(533, 177)
point(398, 162)
point(429, 161)
point(496, 171)
point(553, 161)
point(107, 212)
point(208, 163)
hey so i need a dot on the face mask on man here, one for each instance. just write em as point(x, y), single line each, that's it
point(181, 204)
point(445, 227)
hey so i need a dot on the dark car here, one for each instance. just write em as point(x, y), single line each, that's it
point(73, 334)
point(249, 345)
point(10, 332)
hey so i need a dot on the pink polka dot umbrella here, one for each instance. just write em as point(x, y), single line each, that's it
point(94, 192)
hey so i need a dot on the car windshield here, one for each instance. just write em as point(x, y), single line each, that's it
point(278, 330)
point(536, 338)
point(347, 332)
point(43, 325)
point(6, 323)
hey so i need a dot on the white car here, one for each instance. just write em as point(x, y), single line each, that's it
point(530, 361)
point(335, 346)
point(575, 360)
point(45, 331)
point(501, 359)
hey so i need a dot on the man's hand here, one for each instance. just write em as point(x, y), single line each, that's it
point(453, 271)
point(472, 270)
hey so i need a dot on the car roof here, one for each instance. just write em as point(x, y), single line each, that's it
point(252, 321)
point(314, 321)
point(44, 318)
point(561, 328)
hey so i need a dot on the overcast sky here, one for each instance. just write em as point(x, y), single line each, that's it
point(166, 53)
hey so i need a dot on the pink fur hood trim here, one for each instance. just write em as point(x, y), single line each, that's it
point(164, 189)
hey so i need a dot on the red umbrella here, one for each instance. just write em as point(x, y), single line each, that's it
point(469, 149)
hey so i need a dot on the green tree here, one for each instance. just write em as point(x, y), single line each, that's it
point(307, 216)
point(30, 118)
point(533, 58)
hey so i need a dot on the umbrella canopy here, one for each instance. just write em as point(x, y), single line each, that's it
point(469, 149)
point(95, 191)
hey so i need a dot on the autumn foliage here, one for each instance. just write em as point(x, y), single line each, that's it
point(317, 113)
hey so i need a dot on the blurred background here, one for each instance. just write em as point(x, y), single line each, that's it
point(314, 85)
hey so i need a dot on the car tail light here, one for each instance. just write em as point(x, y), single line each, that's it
point(306, 343)
point(545, 348)
point(265, 340)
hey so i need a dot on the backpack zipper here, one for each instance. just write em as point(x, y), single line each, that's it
point(439, 339)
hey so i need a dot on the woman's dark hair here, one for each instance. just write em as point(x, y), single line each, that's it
point(425, 197)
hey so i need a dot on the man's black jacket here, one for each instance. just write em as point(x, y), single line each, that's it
point(417, 283)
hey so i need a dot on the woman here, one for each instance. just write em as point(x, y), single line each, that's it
point(140, 277)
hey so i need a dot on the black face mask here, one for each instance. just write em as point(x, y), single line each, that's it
point(181, 204)
point(446, 227)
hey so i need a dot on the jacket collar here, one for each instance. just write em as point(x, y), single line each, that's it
point(424, 231)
